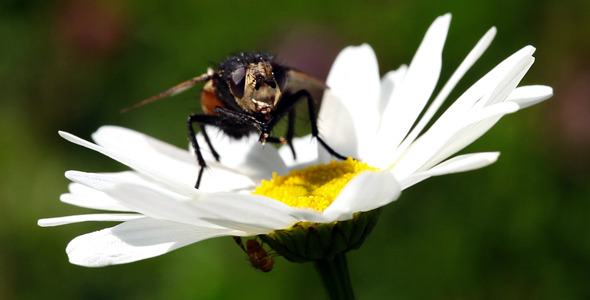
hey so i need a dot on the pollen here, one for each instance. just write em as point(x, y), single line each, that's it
point(314, 187)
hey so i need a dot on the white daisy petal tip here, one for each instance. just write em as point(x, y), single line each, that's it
point(136, 240)
point(444, 18)
point(69, 137)
point(526, 96)
point(51, 222)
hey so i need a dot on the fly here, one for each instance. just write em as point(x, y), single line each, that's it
point(249, 92)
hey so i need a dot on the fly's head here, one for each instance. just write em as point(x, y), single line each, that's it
point(258, 87)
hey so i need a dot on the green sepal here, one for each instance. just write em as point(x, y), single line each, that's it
point(306, 241)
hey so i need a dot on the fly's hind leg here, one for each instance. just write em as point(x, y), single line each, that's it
point(291, 132)
point(202, 120)
point(193, 139)
point(314, 126)
point(208, 141)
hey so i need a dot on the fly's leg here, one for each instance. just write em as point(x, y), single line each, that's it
point(291, 131)
point(193, 139)
point(206, 136)
point(314, 126)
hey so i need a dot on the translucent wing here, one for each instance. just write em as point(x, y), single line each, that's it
point(179, 88)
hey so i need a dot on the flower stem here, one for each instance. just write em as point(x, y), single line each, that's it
point(334, 274)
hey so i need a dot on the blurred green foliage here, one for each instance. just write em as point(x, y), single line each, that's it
point(515, 230)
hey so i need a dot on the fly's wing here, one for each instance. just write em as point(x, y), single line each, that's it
point(177, 89)
point(297, 81)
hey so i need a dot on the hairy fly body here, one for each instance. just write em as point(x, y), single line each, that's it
point(249, 92)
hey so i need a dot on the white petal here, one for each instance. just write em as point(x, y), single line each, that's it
point(84, 196)
point(471, 58)
point(169, 160)
point(218, 177)
point(241, 212)
point(144, 167)
point(135, 240)
point(143, 147)
point(512, 77)
point(157, 159)
point(529, 95)
point(148, 199)
point(251, 213)
point(391, 81)
point(474, 128)
point(375, 152)
point(488, 116)
point(466, 162)
point(246, 156)
point(480, 93)
point(474, 113)
point(106, 181)
point(354, 80)
point(86, 218)
point(365, 192)
point(336, 127)
point(159, 203)
point(461, 163)
point(306, 150)
point(440, 142)
point(102, 181)
point(409, 99)
point(344, 79)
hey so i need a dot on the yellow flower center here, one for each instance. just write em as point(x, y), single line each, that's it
point(314, 187)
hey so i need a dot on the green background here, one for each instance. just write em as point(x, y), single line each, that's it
point(515, 230)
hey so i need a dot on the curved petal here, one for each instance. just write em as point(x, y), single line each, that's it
point(354, 80)
point(169, 161)
point(218, 177)
point(250, 213)
point(102, 181)
point(408, 101)
point(142, 167)
point(136, 240)
point(246, 156)
point(375, 152)
point(440, 142)
point(473, 129)
point(139, 145)
point(336, 127)
point(480, 93)
point(469, 60)
point(465, 162)
point(457, 164)
point(48, 222)
point(511, 78)
point(366, 191)
point(391, 81)
point(84, 196)
point(529, 95)
point(475, 112)
point(306, 148)
point(159, 203)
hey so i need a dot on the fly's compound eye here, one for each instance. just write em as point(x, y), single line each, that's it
point(280, 75)
point(237, 82)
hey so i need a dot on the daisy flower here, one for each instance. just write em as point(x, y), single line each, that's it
point(162, 211)
point(261, 191)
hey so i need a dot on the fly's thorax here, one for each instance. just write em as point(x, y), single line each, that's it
point(209, 99)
